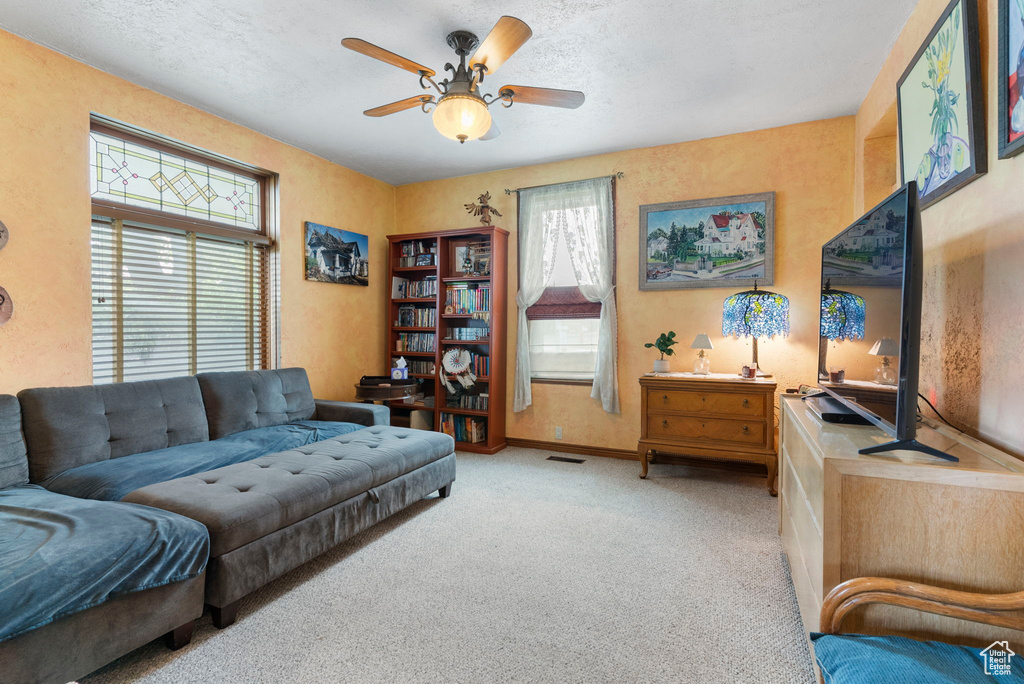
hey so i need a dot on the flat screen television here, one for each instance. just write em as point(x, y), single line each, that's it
point(870, 325)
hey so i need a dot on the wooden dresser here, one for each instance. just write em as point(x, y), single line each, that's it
point(715, 416)
point(901, 515)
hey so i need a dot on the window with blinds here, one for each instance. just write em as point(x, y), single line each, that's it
point(168, 302)
point(176, 292)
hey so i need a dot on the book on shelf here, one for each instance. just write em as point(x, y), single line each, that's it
point(413, 248)
point(412, 316)
point(469, 334)
point(417, 366)
point(418, 260)
point(415, 342)
point(464, 428)
point(473, 402)
point(467, 298)
point(403, 288)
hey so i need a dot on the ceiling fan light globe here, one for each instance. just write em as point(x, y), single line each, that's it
point(461, 117)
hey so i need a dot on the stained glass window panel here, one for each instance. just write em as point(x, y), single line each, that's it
point(129, 173)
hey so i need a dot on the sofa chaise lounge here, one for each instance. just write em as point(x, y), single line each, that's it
point(83, 582)
point(274, 476)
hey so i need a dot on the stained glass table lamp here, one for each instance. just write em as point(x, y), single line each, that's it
point(756, 313)
point(842, 318)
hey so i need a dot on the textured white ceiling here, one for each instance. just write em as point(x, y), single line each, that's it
point(654, 71)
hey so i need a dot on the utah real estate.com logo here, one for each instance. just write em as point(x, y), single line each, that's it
point(997, 658)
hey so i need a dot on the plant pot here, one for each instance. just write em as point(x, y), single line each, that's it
point(661, 365)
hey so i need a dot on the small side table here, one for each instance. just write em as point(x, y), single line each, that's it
point(715, 416)
point(371, 393)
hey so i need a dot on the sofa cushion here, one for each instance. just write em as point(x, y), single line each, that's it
point(848, 658)
point(60, 555)
point(112, 479)
point(245, 400)
point(243, 502)
point(66, 427)
point(13, 462)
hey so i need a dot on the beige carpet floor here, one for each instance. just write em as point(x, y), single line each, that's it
point(532, 571)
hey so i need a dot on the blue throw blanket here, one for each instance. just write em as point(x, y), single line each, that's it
point(60, 555)
point(113, 479)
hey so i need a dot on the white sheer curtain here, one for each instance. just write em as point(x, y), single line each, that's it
point(582, 212)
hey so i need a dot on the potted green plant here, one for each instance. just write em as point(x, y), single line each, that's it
point(664, 345)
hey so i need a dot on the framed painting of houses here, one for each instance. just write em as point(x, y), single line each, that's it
point(719, 242)
point(336, 256)
point(1011, 77)
point(941, 110)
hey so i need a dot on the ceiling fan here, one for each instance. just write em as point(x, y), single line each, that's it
point(461, 112)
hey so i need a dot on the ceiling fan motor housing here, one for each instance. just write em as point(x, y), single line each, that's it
point(463, 42)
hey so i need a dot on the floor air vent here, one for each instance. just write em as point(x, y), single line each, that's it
point(566, 459)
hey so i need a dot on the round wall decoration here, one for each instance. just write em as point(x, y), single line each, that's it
point(4, 234)
point(6, 306)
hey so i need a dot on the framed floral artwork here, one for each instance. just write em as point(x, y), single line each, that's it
point(1011, 77)
point(941, 108)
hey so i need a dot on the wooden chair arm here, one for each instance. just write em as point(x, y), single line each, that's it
point(985, 608)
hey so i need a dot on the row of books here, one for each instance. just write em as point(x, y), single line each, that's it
point(416, 317)
point(418, 366)
point(403, 288)
point(480, 365)
point(464, 428)
point(468, 333)
point(475, 402)
point(416, 247)
point(415, 342)
point(465, 299)
point(418, 260)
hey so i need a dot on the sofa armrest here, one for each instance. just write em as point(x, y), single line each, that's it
point(352, 412)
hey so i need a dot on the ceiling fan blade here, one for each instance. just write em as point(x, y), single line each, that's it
point(507, 36)
point(492, 132)
point(548, 97)
point(401, 105)
point(371, 50)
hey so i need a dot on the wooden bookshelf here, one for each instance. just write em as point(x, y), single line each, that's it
point(404, 251)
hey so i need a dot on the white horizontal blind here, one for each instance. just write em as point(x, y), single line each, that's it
point(564, 349)
point(169, 302)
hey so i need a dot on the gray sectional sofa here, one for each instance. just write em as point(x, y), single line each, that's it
point(272, 476)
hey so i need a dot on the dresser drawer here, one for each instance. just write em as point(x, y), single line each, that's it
point(692, 428)
point(807, 468)
point(724, 403)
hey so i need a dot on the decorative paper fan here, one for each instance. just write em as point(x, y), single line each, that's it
point(456, 362)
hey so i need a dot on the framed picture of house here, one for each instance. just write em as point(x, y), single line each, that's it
point(336, 256)
point(718, 242)
point(1011, 77)
point(941, 109)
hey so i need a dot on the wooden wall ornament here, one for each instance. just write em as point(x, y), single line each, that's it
point(484, 211)
point(4, 235)
point(6, 306)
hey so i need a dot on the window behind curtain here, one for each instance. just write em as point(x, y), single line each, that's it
point(563, 326)
point(180, 263)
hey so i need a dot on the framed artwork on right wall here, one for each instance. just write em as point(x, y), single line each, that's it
point(941, 108)
point(1011, 77)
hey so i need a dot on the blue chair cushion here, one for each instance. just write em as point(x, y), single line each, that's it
point(848, 658)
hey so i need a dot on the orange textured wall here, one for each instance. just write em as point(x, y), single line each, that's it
point(972, 327)
point(810, 168)
point(44, 200)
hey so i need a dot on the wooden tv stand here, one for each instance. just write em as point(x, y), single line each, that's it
point(901, 515)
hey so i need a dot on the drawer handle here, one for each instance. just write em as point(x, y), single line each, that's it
point(664, 423)
point(664, 398)
point(746, 430)
point(746, 403)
